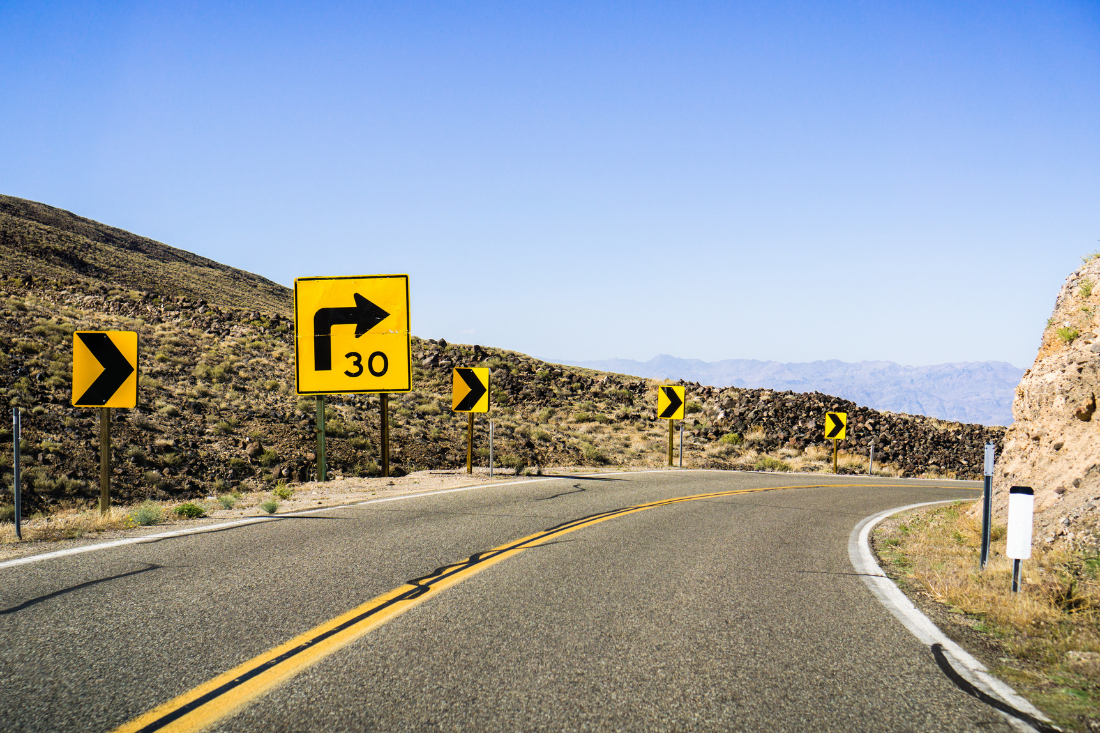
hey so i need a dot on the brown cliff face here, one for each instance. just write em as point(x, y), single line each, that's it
point(1054, 445)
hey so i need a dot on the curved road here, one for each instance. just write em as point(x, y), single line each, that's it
point(732, 612)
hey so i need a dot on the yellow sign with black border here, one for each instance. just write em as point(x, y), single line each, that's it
point(351, 334)
point(105, 370)
point(670, 403)
point(470, 392)
point(836, 425)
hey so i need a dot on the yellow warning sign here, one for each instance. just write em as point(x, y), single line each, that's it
point(105, 368)
point(670, 403)
point(351, 334)
point(836, 425)
point(471, 390)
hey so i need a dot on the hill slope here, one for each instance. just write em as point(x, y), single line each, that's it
point(217, 408)
point(975, 392)
point(43, 241)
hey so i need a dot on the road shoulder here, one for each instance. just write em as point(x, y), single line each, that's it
point(968, 671)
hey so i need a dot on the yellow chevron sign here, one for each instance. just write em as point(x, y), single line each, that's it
point(105, 368)
point(836, 425)
point(470, 392)
point(670, 403)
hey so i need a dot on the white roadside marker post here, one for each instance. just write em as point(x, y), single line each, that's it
point(490, 448)
point(987, 503)
point(681, 444)
point(1021, 509)
point(871, 464)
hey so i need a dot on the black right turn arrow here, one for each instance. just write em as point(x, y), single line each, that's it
point(365, 315)
point(115, 369)
point(674, 402)
point(838, 425)
point(477, 390)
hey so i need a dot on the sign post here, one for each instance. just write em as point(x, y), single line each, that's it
point(470, 394)
point(670, 406)
point(351, 336)
point(322, 470)
point(17, 491)
point(105, 376)
point(384, 410)
point(987, 503)
point(490, 449)
point(470, 443)
point(104, 459)
point(836, 427)
point(681, 444)
point(1021, 511)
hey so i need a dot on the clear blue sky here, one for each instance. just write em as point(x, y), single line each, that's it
point(801, 181)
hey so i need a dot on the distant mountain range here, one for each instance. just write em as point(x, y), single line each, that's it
point(970, 392)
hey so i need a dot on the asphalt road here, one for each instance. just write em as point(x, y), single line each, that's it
point(740, 612)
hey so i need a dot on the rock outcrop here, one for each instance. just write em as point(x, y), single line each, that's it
point(1054, 445)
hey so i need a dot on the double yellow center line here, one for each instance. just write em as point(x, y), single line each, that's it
point(223, 695)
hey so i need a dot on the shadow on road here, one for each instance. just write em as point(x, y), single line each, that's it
point(34, 601)
point(574, 477)
point(577, 488)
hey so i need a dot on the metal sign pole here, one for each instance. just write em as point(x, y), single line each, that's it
point(384, 407)
point(104, 459)
point(681, 444)
point(16, 489)
point(322, 469)
point(470, 442)
point(490, 448)
point(835, 442)
point(987, 503)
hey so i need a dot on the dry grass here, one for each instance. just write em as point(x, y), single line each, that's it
point(77, 523)
point(1050, 630)
point(66, 524)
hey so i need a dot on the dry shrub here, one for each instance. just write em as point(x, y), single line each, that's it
point(755, 435)
point(818, 453)
point(66, 524)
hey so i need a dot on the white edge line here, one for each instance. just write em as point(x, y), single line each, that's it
point(897, 603)
point(42, 557)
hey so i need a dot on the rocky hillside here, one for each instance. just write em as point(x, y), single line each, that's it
point(1054, 445)
point(217, 406)
point(55, 244)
